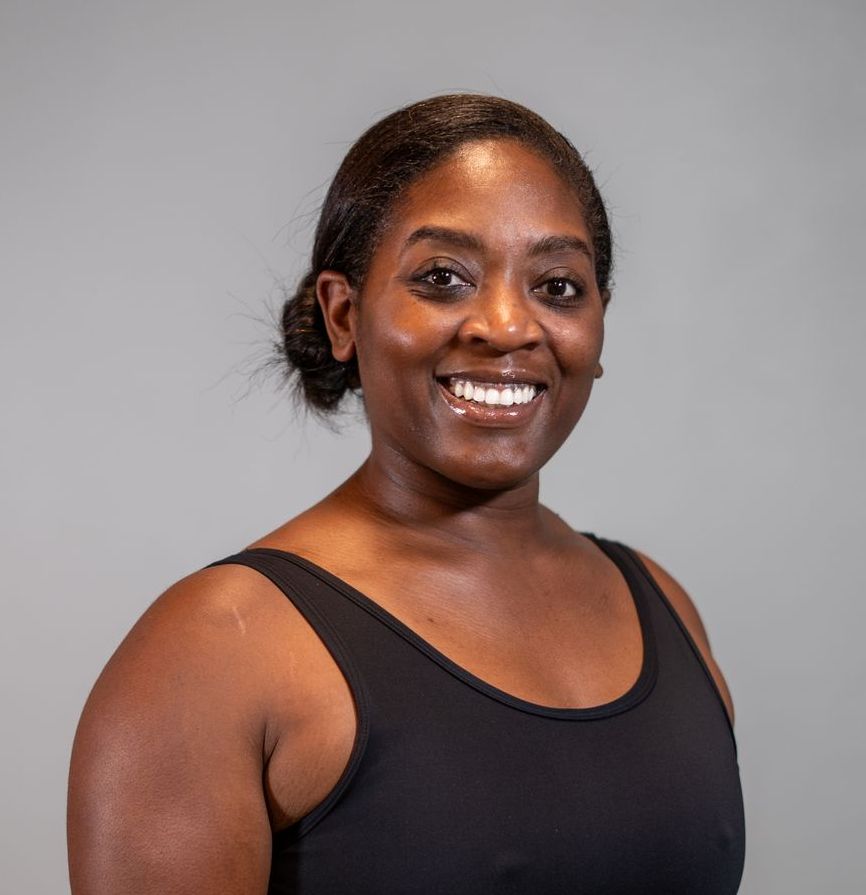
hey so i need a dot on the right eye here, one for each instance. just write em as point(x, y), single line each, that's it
point(443, 278)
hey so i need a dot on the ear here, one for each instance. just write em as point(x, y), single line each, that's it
point(338, 300)
point(605, 299)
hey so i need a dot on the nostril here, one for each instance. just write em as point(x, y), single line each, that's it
point(503, 334)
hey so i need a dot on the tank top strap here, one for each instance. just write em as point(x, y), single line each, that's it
point(334, 621)
point(675, 644)
point(314, 596)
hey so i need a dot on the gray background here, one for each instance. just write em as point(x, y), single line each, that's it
point(161, 163)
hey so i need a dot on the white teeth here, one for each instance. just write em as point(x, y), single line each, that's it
point(492, 397)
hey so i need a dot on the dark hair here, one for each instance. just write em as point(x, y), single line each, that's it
point(383, 162)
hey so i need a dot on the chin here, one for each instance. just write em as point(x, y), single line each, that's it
point(489, 475)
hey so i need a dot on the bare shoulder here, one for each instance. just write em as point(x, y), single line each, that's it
point(209, 629)
point(688, 613)
point(184, 702)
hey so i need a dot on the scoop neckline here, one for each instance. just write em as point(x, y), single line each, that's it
point(636, 693)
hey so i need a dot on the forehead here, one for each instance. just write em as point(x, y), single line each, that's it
point(500, 189)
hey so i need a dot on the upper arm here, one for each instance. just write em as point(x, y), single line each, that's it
point(688, 613)
point(165, 790)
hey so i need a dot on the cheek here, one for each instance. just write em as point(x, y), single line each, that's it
point(399, 336)
point(578, 348)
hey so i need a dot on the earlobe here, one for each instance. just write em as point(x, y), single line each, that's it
point(337, 300)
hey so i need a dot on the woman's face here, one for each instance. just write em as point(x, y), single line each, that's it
point(483, 284)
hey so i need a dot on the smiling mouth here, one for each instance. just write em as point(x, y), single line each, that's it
point(492, 394)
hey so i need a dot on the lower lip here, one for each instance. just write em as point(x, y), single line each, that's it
point(496, 415)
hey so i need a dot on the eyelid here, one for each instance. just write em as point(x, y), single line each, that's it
point(444, 264)
point(447, 264)
point(561, 273)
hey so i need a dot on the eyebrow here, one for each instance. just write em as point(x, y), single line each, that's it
point(548, 245)
point(458, 238)
point(556, 245)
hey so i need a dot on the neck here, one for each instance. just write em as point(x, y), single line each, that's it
point(427, 509)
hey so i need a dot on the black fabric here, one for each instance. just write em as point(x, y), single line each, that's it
point(456, 787)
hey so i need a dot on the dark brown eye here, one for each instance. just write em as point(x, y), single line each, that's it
point(560, 289)
point(443, 278)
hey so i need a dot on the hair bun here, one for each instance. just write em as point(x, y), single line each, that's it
point(315, 373)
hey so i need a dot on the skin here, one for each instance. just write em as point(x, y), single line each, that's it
point(221, 717)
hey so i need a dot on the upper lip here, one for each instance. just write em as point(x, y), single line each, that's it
point(512, 374)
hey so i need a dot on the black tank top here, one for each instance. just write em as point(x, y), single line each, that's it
point(456, 787)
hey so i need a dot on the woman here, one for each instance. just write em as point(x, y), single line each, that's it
point(427, 682)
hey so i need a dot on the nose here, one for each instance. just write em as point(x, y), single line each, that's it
point(504, 317)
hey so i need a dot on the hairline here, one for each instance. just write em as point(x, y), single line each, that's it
point(526, 141)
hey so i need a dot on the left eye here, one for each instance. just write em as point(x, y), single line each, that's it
point(559, 287)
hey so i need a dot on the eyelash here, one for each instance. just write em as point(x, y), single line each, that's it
point(455, 289)
point(423, 280)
